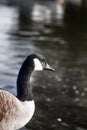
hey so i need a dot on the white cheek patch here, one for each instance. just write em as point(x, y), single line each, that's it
point(38, 65)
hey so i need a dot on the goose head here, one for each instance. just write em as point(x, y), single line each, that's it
point(40, 63)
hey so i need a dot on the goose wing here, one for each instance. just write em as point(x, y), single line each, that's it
point(8, 106)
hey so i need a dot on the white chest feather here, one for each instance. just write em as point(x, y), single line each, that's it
point(25, 114)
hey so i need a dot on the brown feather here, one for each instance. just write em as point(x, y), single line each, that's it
point(8, 108)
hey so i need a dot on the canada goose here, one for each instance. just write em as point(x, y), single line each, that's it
point(15, 112)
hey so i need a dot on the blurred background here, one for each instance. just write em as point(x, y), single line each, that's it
point(56, 29)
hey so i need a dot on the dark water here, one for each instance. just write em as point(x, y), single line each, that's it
point(60, 97)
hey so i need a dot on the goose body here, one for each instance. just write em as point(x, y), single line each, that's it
point(15, 112)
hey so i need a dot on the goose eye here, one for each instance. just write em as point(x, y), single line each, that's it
point(43, 61)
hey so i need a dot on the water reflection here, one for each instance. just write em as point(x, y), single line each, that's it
point(47, 11)
point(44, 12)
point(61, 97)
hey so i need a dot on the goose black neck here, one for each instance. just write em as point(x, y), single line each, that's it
point(24, 92)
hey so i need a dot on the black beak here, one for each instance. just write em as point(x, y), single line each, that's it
point(47, 67)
